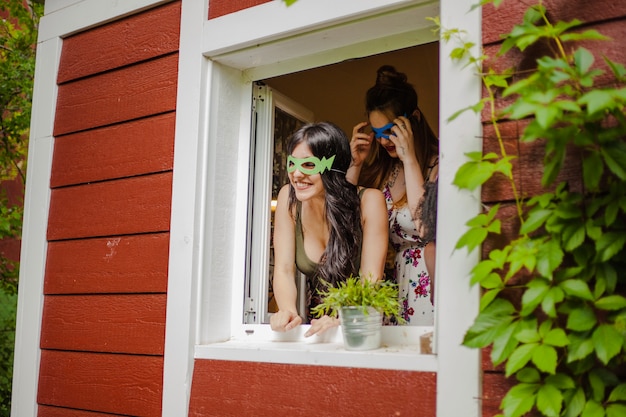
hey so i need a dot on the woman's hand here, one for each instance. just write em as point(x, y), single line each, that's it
point(321, 325)
point(284, 320)
point(360, 144)
point(403, 139)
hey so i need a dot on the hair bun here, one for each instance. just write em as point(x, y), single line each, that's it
point(387, 75)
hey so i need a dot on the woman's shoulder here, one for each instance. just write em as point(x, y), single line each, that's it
point(370, 195)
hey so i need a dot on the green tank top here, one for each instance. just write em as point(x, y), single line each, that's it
point(303, 262)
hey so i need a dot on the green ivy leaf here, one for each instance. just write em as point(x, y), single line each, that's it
point(489, 323)
point(472, 174)
point(561, 381)
point(611, 302)
point(556, 337)
point(528, 336)
point(553, 297)
point(579, 348)
point(596, 101)
point(576, 404)
point(535, 220)
point(597, 385)
point(549, 257)
point(618, 393)
point(519, 400)
point(616, 410)
point(615, 160)
point(482, 270)
point(586, 35)
point(549, 400)
point(593, 409)
point(609, 245)
point(533, 296)
point(607, 342)
point(504, 344)
point(472, 239)
point(618, 69)
point(519, 358)
point(593, 168)
point(545, 358)
point(581, 318)
point(573, 236)
point(576, 288)
point(583, 60)
point(528, 375)
point(488, 297)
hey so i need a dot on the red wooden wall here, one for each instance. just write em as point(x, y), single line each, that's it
point(234, 389)
point(103, 325)
point(606, 16)
point(219, 8)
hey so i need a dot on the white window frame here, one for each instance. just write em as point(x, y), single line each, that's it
point(211, 182)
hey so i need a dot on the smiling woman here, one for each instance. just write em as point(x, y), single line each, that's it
point(325, 226)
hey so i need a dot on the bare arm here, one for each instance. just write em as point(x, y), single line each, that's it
point(284, 282)
point(375, 234)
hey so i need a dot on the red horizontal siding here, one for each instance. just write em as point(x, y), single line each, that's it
point(105, 323)
point(495, 387)
point(118, 264)
point(219, 8)
point(502, 19)
point(119, 207)
point(129, 93)
point(47, 411)
point(109, 383)
point(230, 388)
point(122, 150)
point(134, 39)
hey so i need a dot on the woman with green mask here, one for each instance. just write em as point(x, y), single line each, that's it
point(325, 227)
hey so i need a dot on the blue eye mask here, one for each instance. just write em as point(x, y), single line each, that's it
point(379, 132)
point(310, 166)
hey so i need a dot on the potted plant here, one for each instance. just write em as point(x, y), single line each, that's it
point(360, 304)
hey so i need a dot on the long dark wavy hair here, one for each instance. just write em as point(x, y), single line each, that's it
point(342, 203)
point(394, 96)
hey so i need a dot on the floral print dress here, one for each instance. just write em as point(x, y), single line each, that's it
point(409, 270)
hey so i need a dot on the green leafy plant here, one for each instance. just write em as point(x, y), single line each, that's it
point(553, 309)
point(359, 292)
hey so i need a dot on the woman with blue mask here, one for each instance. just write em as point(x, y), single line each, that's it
point(400, 157)
point(325, 227)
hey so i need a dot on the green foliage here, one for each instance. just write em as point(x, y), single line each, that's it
point(8, 309)
point(360, 292)
point(565, 340)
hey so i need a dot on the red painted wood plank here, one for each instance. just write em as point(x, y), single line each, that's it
point(107, 383)
point(117, 264)
point(130, 40)
point(502, 19)
point(231, 388)
point(47, 411)
point(123, 150)
point(105, 323)
point(119, 207)
point(128, 93)
point(495, 386)
point(219, 8)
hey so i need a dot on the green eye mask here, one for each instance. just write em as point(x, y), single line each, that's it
point(310, 166)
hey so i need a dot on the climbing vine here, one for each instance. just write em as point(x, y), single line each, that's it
point(552, 308)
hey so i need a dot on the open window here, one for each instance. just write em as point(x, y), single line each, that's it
point(274, 118)
point(280, 105)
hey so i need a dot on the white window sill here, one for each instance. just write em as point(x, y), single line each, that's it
point(400, 349)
